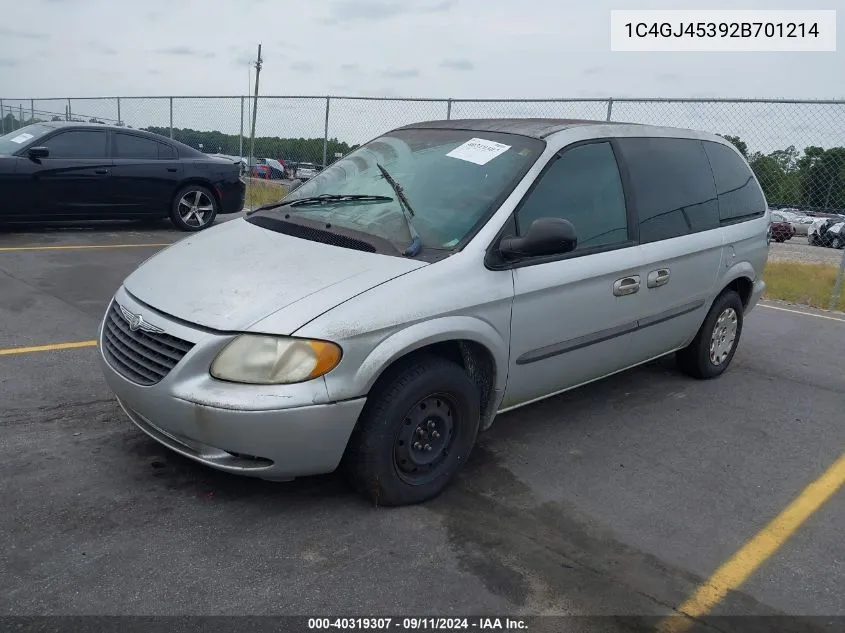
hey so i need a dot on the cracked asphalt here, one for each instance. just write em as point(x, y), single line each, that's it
point(619, 498)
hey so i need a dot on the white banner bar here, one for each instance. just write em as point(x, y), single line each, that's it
point(723, 30)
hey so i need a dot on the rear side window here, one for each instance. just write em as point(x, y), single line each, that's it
point(673, 186)
point(740, 197)
point(131, 146)
point(166, 151)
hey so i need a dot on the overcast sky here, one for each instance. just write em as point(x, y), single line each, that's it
point(458, 48)
point(420, 48)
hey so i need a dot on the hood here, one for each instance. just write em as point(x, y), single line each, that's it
point(232, 276)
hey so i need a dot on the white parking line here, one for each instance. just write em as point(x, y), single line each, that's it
point(810, 314)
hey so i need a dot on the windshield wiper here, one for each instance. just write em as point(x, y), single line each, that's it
point(407, 212)
point(327, 197)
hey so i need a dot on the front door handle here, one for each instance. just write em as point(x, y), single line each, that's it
point(658, 277)
point(173, 169)
point(101, 172)
point(626, 285)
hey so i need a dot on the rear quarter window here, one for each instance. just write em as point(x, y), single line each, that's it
point(740, 196)
point(672, 185)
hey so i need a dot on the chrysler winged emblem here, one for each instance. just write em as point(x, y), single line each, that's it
point(136, 322)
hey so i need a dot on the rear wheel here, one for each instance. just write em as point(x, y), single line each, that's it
point(713, 348)
point(415, 433)
point(836, 242)
point(194, 208)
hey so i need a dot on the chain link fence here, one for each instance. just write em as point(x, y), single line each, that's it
point(796, 148)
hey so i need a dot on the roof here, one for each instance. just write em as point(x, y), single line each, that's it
point(536, 128)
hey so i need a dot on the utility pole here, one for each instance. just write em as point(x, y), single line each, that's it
point(254, 107)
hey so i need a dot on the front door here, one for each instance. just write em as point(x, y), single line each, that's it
point(573, 317)
point(74, 179)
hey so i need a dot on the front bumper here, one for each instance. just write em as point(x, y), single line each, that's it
point(274, 433)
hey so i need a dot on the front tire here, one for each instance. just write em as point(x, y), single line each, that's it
point(194, 208)
point(415, 433)
point(713, 348)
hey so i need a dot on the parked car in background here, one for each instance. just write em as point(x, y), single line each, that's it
point(454, 270)
point(780, 229)
point(306, 171)
point(828, 232)
point(800, 221)
point(60, 171)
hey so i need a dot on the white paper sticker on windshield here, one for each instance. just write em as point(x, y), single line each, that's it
point(21, 138)
point(478, 151)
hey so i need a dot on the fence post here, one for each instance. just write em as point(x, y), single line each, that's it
point(171, 117)
point(609, 108)
point(32, 110)
point(837, 287)
point(449, 109)
point(119, 120)
point(2, 118)
point(241, 137)
point(69, 110)
point(326, 133)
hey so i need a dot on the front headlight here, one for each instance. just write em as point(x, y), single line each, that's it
point(271, 360)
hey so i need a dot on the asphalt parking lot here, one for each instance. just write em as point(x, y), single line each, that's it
point(620, 498)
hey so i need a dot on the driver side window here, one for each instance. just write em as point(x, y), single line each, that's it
point(583, 186)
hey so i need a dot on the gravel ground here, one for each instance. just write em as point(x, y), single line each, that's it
point(798, 250)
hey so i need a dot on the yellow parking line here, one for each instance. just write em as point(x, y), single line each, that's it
point(46, 348)
point(76, 247)
point(739, 567)
point(812, 314)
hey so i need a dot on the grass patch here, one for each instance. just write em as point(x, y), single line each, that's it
point(806, 284)
point(260, 192)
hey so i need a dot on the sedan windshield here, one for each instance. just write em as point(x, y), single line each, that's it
point(451, 179)
point(13, 141)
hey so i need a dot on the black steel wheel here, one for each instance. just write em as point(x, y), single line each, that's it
point(415, 433)
point(424, 439)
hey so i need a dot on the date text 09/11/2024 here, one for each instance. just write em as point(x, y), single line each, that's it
point(417, 624)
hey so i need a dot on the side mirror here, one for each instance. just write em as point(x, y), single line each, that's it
point(545, 236)
point(38, 152)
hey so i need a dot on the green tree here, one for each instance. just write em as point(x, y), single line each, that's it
point(737, 142)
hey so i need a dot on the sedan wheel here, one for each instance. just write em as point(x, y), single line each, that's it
point(194, 208)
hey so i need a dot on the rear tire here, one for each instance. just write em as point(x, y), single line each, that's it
point(415, 434)
point(836, 242)
point(713, 347)
point(194, 208)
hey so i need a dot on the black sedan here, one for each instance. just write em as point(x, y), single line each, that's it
point(76, 171)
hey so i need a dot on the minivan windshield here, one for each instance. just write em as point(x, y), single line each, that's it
point(452, 179)
point(13, 141)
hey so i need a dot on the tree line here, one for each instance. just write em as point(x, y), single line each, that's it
point(812, 179)
point(300, 150)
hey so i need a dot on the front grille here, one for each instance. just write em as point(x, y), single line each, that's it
point(142, 357)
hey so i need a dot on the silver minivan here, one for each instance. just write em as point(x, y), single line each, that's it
point(382, 314)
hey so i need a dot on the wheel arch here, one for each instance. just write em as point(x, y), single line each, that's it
point(471, 343)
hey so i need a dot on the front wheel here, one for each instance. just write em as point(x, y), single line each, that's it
point(194, 208)
point(713, 348)
point(415, 433)
point(836, 242)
